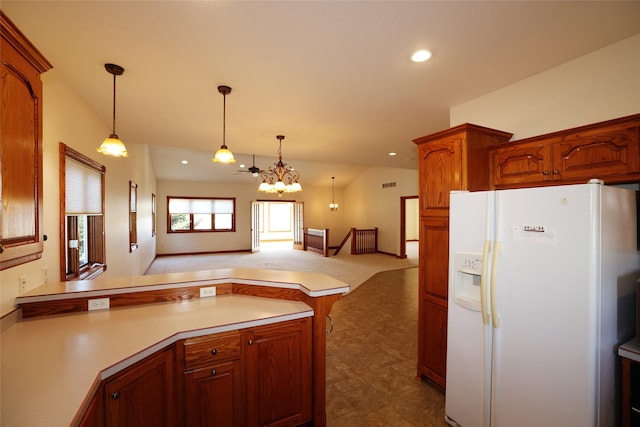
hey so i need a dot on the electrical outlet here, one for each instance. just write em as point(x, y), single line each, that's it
point(22, 284)
point(99, 304)
point(208, 292)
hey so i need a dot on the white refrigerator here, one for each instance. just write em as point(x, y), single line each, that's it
point(541, 291)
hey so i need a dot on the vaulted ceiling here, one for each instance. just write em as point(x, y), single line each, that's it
point(334, 77)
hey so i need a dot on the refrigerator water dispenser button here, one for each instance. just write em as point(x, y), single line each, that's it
point(466, 289)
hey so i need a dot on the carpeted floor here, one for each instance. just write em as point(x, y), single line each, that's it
point(351, 269)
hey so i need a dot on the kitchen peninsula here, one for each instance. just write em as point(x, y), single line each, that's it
point(182, 353)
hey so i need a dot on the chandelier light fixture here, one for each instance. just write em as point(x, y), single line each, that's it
point(280, 178)
point(112, 146)
point(333, 206)
point(224, 155)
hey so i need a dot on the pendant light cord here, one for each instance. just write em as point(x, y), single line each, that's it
point(224, 120)
point(114, 105)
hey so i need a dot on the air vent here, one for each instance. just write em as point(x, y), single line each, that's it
point(388, 184)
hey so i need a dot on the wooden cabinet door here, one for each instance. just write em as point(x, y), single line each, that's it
point(440, 164)
point(434, 258)
point(143, 395)
point(434, 284)
point(278, 374)
point(214, 396)
point(603, 154)
point(21, 238)
point(432, 341)
point(521, 164)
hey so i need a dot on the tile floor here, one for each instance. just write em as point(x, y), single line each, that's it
point(371, 357)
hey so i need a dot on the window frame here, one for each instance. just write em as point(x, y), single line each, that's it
point(133, 216)
point(191, 228)
point(95, 224)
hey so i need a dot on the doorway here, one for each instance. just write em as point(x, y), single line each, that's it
point(277, 225)
point(409, 227)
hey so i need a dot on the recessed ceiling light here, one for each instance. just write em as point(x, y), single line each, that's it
point(420, 56)
point(392, 153)
point(242, 166)
point(184, 162)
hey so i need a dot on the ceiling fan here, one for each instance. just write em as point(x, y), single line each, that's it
point(253, 169)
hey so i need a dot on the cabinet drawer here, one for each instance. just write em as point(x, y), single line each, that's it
point(208, 349)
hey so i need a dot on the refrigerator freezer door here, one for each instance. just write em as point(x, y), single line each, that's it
point(546, 301)
point(468, 337)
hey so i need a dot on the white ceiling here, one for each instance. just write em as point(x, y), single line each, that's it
point(334, 77)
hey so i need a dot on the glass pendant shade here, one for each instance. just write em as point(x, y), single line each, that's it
point(224, 155)
point(112, 145)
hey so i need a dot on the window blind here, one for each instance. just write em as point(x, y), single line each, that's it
point(83, 188)
point(200, 206)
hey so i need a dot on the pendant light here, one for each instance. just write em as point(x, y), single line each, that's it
point(280, 178)
point(333, 206)
point(224, 155)
point(112, 146)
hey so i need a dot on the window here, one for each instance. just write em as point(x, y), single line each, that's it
point(133, 216)
point(153, 214)
point(185, 215)
point(82, 246)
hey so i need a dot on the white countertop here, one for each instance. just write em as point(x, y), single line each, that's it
point(312, 284)
point(630, 350)
point(51, 364)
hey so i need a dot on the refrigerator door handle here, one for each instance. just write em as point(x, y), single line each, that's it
point(486, 315)
point(497, 247)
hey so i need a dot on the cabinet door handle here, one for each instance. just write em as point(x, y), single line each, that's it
point(556, 172)
point(1, 248)
point(213, 372)
point(115, 395)
point(214, 352)
point(250, 342)
point(330, 324)
point(545, 172)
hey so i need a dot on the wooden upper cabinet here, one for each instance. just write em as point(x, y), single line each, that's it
point(438, 160)
point(21, 238)
point(454, 159)
point(607, 150)
point(521, 164)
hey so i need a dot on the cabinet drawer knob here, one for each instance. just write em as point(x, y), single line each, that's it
point(115, 395)
point(213, 372)
point(214, 351)
point(250, 342)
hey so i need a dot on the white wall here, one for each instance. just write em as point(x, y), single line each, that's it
point(602, 85)
point(67, 119)
point(368, 205)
